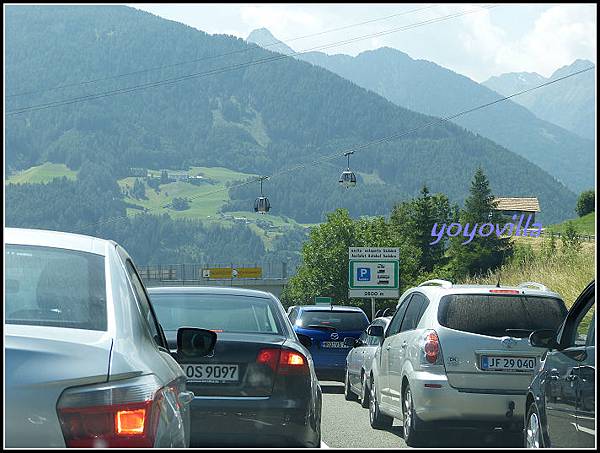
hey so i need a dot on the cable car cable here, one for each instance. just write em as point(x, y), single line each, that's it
point(358, 147)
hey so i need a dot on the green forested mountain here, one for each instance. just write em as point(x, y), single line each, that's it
point(569, 103)
point(260, 119)
point(425, 87)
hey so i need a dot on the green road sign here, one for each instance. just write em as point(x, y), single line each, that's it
point(323, 300)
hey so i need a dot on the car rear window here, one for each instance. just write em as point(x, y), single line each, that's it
point(340, 320)
point(219, 312)
point(48, 286)
point(490, 314)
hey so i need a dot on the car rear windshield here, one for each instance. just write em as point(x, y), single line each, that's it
point(48, 286)
point(219, 312)
point(338, 320)
point(491, 314)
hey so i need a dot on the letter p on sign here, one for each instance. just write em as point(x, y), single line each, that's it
point(363, 274)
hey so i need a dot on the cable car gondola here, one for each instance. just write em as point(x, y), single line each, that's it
point(348, 178)
point(262, 204)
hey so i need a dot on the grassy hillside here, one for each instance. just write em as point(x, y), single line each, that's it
point(567, 274)
point(584, 225)
point(206, 201)
point(41, 174)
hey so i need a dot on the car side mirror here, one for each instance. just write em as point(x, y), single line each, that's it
point(193, 342)
point(304, 340)
point(351, 342)
point(375, 331)
point(544, 338)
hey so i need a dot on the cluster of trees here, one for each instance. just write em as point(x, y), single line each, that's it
point(586, 203)
point(324, 268)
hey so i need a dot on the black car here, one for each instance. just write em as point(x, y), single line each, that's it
point(560, 403)
point(259, 388)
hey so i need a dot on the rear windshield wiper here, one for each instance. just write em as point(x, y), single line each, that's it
point(321, 326)
point(519, 333)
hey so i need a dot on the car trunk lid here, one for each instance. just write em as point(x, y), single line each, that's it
point(44, 361)
point(233, 369)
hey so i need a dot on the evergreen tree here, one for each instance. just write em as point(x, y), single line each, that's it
point(483, 253)
point(139, 189)
point(415, 219)
point(164, 177)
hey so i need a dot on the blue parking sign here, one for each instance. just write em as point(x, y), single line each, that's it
point(363, 274)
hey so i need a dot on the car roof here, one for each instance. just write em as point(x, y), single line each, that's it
point(57, 239)
point(439, 291)
point(208, 290)
point(337, 308)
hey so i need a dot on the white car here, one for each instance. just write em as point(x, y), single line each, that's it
point(87, 364)
point(359, 361)
point(458, 356)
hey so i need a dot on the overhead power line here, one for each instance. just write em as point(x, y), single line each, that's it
point(211, 57)
point(357, 148)
point(174, 80)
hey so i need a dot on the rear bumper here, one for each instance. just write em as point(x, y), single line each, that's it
point(331, 374)
point(247, 422)
point(464, 406)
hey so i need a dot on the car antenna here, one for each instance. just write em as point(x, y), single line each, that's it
point(498, 284)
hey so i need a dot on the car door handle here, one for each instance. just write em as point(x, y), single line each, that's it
point(388, 347)
point(186, 397)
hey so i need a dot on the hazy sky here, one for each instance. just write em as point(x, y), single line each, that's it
point(507, 38)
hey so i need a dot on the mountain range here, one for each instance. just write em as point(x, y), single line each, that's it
point(222, 106)
point(426, 87)
point(568, 103)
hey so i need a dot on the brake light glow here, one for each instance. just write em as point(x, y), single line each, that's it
point(292, 358)
point(269, 357)
point(283, 361)
point(504, 291)
point(130, 423)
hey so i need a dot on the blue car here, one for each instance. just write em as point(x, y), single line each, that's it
point(328, 326)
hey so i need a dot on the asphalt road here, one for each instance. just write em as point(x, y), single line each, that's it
point(345, 424)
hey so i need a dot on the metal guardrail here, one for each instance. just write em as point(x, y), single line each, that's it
point(194, 272)
point(583, 237)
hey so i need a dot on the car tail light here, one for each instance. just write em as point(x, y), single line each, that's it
point(283, 361)
point(114, 414)
point(431, 350)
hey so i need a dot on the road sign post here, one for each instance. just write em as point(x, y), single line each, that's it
point(373, 272)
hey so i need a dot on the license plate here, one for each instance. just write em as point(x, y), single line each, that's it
point(215, 374)
point(333, 344)
point(507, 363)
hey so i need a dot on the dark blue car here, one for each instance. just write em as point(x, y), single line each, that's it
point(328, 326)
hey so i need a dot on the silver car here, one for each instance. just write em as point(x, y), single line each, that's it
point(459, 355)
point(359, 361)
point(87, 364)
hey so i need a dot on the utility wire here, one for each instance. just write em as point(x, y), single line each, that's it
point(252, 47)
point(277, 57)
point(358, 147)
